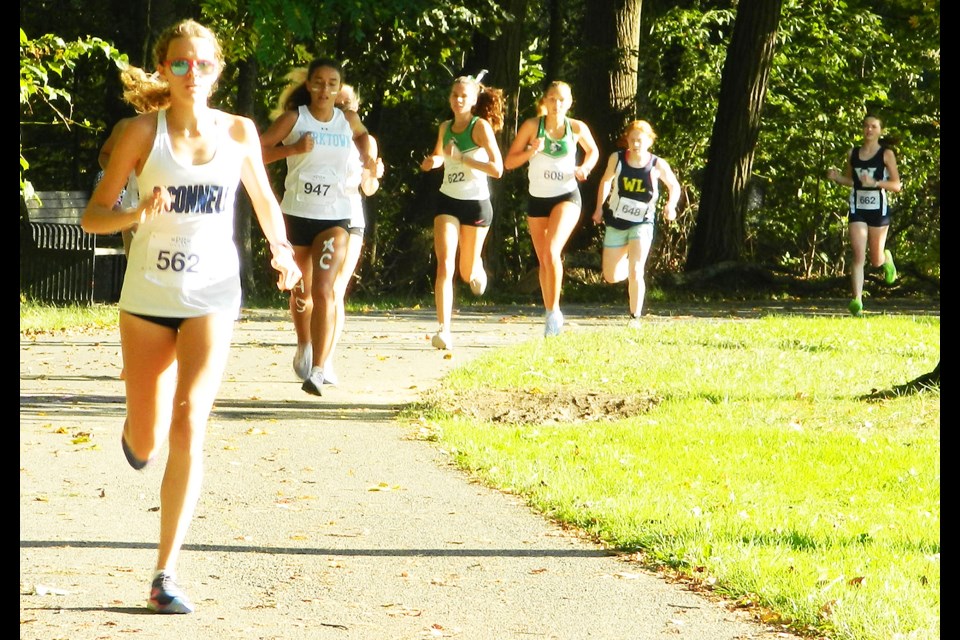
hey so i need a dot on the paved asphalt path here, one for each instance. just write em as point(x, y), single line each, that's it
point(320, 517)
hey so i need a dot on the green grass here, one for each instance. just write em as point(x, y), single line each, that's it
point(761, 472)
point(37, 317)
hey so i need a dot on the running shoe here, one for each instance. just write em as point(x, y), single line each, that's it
point(889, 268)
point(478, 284)
point(314, 382)
point(329, 375)
point(553, 324)
point(303, 361)
point(167, 597)
point(134, 461)
point(442, 340)
point(634, 322)
point(855, 307)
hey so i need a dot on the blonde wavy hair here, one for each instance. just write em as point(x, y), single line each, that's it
point(148, 91)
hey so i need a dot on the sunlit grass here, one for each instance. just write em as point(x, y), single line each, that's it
point(36, 317)
point(762, 472)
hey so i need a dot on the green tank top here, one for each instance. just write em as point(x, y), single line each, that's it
point(464, 139)
point(555, 148)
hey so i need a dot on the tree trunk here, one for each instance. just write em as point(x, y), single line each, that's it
point(246, 93)
point(606, 92)
point(719, 232)
point(554, 46)
point(607, 86)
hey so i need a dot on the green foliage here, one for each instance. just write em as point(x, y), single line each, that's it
point(45, 65)
point(835, 62)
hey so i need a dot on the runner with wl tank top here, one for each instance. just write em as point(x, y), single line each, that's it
point(631, 180)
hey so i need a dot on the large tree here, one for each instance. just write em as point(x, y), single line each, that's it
point(608, 79)
point(607, 84)
point(719, 233)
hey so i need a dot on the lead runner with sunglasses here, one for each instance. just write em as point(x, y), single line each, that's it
point(181, 292)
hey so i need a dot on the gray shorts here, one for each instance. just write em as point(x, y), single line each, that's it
point(616, 238)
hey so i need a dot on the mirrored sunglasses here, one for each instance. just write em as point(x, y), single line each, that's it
point(180, 66)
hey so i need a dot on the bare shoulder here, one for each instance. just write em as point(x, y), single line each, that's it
point(485, 126)
point(122, 124)
point(353, 119)
point(240, 128)
point(613, 160)
point(140, 127)
point(529, 125)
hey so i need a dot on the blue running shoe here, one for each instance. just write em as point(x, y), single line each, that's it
point(167, 597)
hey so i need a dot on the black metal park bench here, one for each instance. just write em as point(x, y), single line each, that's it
point(59, 261)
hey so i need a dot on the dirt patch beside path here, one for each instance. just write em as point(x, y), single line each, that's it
point(536, 407)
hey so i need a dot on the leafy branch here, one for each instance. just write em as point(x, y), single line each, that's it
point(45, 62)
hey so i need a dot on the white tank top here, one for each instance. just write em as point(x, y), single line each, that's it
point(551, 172)
point(319, 183)
point(459, 180)
point(184, 263)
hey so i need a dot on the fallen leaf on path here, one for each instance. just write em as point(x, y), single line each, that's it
point(383, 486)
point(401, 611)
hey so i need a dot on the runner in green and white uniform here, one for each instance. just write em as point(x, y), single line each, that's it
point(550, 144)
